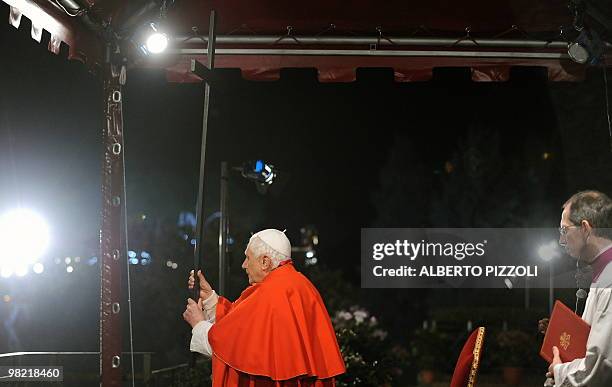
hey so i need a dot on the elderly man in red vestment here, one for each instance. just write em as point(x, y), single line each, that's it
point(278, 333)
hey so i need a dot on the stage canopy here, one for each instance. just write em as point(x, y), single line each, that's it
point(261, 37)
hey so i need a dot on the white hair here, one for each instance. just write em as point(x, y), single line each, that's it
point(259, 248)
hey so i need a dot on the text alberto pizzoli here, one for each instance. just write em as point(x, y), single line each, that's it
point(458, 251)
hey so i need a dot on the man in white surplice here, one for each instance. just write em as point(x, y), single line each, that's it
point(586, 234)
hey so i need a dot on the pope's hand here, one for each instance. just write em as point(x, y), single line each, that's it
point(193, 314)
point(205, 288)
point(556, 360)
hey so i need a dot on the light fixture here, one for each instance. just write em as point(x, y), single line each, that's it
point(587, 48)
point(156, 41)
point(259, 171)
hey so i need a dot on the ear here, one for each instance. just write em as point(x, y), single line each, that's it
point(586, 226)
point(266, 263)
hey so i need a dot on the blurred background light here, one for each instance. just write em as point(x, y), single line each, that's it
point(21, 270)
point(549, 251)
point(6, 271)
point(38, 268)
point(24, 238)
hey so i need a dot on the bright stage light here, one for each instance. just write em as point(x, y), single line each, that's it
point(157, 43)
point(38, 268)
point(156, 40)
point(24, 237)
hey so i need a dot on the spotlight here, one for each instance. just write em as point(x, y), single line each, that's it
point(24, 237)
point(259, 171)
point(157, 41)
point(587, 48)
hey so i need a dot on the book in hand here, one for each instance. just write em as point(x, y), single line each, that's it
point(566, 331)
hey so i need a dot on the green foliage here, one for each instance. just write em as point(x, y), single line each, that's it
point(514, 348)
point(370, 360)
point(429, 349)
point(337, 292)
point(200, 375)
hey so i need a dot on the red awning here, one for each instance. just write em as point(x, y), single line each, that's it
point(336, 38)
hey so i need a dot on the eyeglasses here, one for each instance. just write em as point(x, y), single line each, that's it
point(563, 229)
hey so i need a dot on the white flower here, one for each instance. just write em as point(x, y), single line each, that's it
point(344, 315)
point(379, 334)
point(360, 316)
point(373, 321)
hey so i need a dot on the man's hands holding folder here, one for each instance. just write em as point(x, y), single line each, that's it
point(556, 360)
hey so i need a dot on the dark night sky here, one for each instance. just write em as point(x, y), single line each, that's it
point(331, 143)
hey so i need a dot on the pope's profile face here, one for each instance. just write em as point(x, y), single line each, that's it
point(254, 267)
point(571, 236)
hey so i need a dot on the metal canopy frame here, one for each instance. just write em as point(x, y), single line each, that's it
point(91, 47)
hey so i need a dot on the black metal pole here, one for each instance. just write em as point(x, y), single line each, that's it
point(111, 246)
point(223, 229)
point(200, 204)
point(198, 252)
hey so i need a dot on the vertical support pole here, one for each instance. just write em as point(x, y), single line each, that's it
point(146, 368)
point(198, 253)
point(223, 230)
point(112, 258)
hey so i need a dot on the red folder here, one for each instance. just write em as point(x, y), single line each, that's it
point(568, 332)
